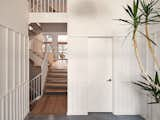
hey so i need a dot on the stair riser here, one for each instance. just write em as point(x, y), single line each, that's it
point(56, 87)
point(49, 78)
point(57, 82)
point(63, 72)
point(57, 76)
point(56, 93)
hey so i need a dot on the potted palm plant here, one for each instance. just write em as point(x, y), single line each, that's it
point(134, 21)
point(153, 92)
point(145, 13)
point(150, 88)
point(150, 16)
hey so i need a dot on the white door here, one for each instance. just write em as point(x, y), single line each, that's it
point(100, 74)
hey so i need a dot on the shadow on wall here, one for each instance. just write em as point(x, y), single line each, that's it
point(92, 8)
point(86, 9)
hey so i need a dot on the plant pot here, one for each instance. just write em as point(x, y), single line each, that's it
point(155, 111)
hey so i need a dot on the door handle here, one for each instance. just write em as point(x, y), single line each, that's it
point(109, 80)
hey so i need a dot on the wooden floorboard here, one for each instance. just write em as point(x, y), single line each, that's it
point(51, 105)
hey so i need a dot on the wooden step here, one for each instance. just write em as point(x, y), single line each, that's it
point(62, 74)
point(56, 81)
point(58, 71)
point(58, 75)
point(56, 85)
point(51, 78)
point(55, 91)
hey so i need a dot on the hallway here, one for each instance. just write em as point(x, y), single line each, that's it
point(51, 105)
point(54, 99)
point(91, 116)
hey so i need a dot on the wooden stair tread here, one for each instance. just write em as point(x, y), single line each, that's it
point(57, 81)
point(56, 90)
point(56, 84)
point(63, 71)
point(58, 74)
point(51, 78)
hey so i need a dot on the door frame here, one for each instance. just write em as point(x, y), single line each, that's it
point(68, 85)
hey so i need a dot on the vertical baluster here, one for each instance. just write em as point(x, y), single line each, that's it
point(31, 93)
point(37, 5)
point(33, 5)
point(45, 6)
point(39, 87)
point(65, 5)
point(30, 6)
point(39, 90)
point(62, 5)
point(52, 6)
point(34, 88)
point(48, 5)
point(40, 5)
point(56, 5)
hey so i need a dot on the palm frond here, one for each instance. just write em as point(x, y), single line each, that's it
point(125, 21)
point(154, 43)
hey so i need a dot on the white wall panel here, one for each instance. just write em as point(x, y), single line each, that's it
point(127, 98)
point(14, 105)
point(77, 75)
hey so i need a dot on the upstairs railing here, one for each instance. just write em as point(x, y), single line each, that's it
point(49, 6)
point(38, 82)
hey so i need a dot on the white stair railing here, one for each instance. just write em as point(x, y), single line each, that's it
point(51, 6)
point(38, 82)
point(44, 71)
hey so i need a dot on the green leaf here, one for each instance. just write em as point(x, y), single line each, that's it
point(157, 82)
point(154, 43)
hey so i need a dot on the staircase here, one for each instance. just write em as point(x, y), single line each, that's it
point(56, 83)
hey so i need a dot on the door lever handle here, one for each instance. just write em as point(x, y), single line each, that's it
point(109, 80)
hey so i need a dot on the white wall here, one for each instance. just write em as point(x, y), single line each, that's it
point(48, 17)
point(127, 100)
point(14, 81)
point(14, 14)
point(77, 75)
point(92, 17)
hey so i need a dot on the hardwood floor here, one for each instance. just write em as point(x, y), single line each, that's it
point(51, 105)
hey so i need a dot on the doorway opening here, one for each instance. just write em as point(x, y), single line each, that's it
point(48, 68)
